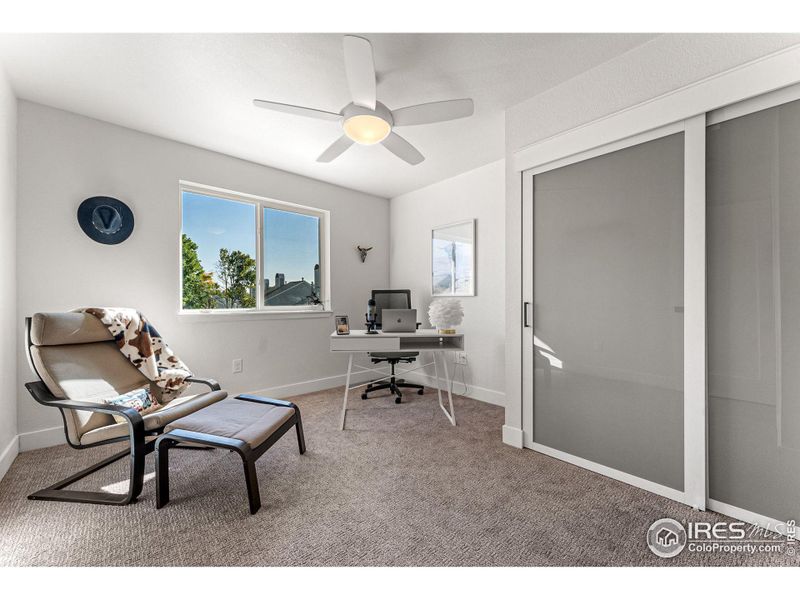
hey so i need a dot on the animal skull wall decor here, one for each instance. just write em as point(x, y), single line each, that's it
point(363, 252)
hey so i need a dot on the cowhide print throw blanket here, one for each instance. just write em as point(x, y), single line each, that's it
point(146, 350)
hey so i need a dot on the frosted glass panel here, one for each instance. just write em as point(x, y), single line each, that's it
point(608, 310)
point(753, 196)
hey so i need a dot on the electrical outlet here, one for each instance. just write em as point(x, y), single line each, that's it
point(461, 358)
point(237, 365)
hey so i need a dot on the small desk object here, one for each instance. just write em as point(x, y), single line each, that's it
point(422, 340)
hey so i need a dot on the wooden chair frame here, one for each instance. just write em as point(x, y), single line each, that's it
point(139, 445)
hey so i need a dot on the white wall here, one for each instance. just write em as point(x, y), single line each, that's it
point(478, 194)
point(655, 69)
point(65, 158)
point(8, 283)
point(664, 64)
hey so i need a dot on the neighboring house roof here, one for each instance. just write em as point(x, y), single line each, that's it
point(294, 292)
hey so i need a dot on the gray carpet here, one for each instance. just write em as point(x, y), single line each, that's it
point(400, 487)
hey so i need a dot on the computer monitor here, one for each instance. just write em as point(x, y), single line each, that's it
point(390, 299)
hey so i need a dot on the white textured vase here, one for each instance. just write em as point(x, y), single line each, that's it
point(445, 314)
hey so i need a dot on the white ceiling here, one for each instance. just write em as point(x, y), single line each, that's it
point(197, 89)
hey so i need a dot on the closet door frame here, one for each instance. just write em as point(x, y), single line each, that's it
point(694, 328)
point(557, 152)
point(769, 80)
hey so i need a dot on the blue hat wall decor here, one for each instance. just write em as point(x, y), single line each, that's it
point(105, 220)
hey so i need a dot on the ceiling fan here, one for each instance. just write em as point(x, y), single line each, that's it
point(367, 121)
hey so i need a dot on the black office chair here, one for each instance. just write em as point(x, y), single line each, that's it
point(392, 299)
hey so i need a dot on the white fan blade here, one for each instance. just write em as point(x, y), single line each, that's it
point(360, 68)
point(335, 149)
point(298, 110)
point(433, 112)
point(403, 149)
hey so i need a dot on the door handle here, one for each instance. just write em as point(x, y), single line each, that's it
point(525, 306)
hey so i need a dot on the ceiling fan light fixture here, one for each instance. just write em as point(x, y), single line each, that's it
point(366, 129)
point(365, 120)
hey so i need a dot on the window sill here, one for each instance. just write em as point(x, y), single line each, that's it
point(255, 315)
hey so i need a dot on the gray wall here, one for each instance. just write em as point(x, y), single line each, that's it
point(65, 158)
point(477, 194)
point(8, 283)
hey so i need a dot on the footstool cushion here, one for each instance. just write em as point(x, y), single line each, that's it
point(248, 425)
point(249, 422)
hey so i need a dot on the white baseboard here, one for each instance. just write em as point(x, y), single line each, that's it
point(622, 476)
point(473, 391)
point(312, 385)
point(9, 454)
point(774, 525)
point(43, 438)
point(512, 436)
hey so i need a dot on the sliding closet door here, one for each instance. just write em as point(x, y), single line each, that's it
point(608, 310)
point(753, 196)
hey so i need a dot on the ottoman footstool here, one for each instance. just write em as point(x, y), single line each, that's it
point(248, 425)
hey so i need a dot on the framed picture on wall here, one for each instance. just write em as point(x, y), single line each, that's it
point(453, 259)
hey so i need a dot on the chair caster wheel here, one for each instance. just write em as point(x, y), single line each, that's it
point(421, 392)
point(363, 396)
point(397, 400)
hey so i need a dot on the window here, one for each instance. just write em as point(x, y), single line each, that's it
point(218, 247)
point(291, 258)
point(245, 253)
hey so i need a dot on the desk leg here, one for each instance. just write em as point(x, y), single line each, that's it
point(451, 416)
point(438, 381)
point(346, 390)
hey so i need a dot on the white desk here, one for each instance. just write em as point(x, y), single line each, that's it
point(423, 340)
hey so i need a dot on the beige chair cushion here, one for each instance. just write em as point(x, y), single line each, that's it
point(250, 422)
point(180, 407)
point(87, 372)
point(57, 329)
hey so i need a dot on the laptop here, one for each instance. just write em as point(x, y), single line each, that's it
point(399, 320)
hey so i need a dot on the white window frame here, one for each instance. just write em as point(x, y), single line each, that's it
point(259, 203)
